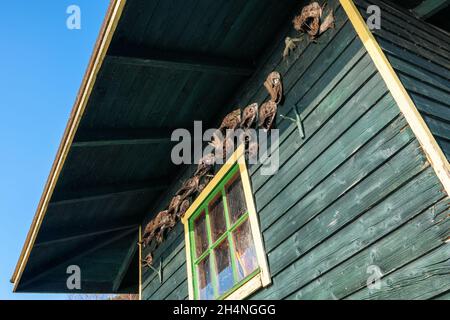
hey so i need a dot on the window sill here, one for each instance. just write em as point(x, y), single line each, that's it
point(247, 289)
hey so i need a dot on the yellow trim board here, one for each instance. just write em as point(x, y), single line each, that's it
point(139, 264)
point(409, 110)
point(104, 39)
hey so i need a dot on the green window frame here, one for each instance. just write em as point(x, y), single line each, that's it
point(240, 278)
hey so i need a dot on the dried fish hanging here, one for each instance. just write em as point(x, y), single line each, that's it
point(222, 142)
point(310, 21)
point(268, 109)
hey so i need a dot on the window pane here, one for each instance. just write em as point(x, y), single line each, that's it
point(223, 265)
point(245, 250)
point(205, 287)
point(200, 233)
point(217, 218)
point(236, 200)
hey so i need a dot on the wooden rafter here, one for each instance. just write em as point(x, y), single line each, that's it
point(104, 192)
point(82, 254)
point(115, 137)
point(101, 47)
point(182, 62)
point(82, 235)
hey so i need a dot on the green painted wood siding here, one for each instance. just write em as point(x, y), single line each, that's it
point(420, 53)
point(357, 191)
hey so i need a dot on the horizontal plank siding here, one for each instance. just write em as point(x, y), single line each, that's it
point(421, 279)
point(421, 59)
point(388, 254)
point(357, 190)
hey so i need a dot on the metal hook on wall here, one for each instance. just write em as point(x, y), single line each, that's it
point(297, 121)
point(157, 271)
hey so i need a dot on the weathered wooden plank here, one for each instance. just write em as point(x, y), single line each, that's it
point(421, 279)
point(312, 73)
point(416, 31)
point(429, 8)
point(431, 107)
point(170, 253)
point(443, 296)
point(180, 12)
point(249, 39)
point(148, 10)
point(437, 127)
point(418, 26)
point(385, 34)
point(168, 249)
point(402, 14)
point(253, 91)
point(422, 234)
point(352, 189)
point(167, 287)
point(391, 49)
point(411, 46)
point(304, 154)
point(370, 227)
point(424, 89)
point(168, 271)
point(305, 180)
point(181, 62)
point(179, 293)
point(420, 74)
point(445, 145)
point(409, 34)
point(317, 112)
point(293, 72)
point(323, 222)
point(312, 99)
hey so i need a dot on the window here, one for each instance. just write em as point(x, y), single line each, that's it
point(224, 250)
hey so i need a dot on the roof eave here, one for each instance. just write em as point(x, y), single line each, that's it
point(103, 41)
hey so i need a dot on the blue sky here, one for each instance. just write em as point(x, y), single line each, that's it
point(42, 64)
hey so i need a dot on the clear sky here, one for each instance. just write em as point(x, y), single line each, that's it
point(42, 64)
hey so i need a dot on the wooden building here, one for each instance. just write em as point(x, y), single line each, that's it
point(358, 208)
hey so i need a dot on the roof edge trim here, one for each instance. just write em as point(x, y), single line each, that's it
point(103, 41)
point(409, 110)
